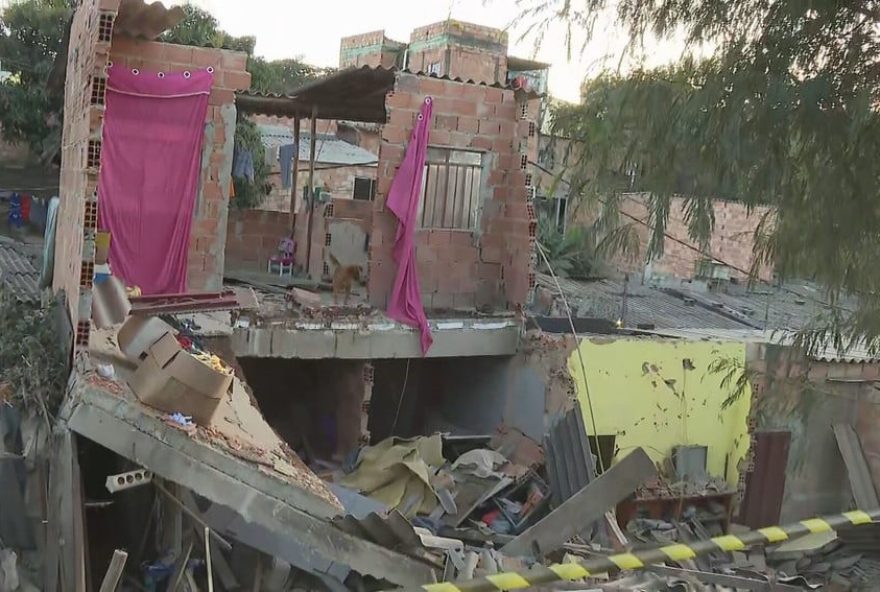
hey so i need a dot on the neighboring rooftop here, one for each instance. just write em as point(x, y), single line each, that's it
point(329, 148)
point(693, 304)
point(18, 274)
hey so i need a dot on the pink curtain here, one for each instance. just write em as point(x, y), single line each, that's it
point(150, 161)
point(405, 304)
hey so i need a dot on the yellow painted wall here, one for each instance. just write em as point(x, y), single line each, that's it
point(658, 393)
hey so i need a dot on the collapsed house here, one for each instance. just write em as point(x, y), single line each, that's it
point(290, 434)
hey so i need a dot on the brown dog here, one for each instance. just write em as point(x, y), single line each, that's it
point(344, 276)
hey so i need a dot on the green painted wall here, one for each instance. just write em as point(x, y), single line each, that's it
point(661, 393)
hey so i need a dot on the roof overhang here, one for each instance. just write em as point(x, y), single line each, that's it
point(354, 94)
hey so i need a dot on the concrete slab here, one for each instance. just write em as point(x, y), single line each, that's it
point(265, 486)
point(378, 340)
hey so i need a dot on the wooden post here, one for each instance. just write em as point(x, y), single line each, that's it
point(311, 188)
point(294, 182)
point(209, 567)
point(114, 572)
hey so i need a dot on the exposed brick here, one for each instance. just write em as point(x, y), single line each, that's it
point(234, 60)
point(468, 125)
point(177, 54)
point(221, 96)
point(236, 80)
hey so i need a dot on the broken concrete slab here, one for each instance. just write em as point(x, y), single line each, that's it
point(585, 507)
point(291, 503)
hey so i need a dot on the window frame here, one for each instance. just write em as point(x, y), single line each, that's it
point(471, 185)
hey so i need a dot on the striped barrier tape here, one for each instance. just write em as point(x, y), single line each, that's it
point(639, 559)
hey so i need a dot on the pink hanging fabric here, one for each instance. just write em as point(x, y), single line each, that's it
point(151, 154)
point(405, 304)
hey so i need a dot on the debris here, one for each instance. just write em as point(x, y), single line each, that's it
point(304, 298)
point(180, 419)
point(585, 507)
point(128, 480)
point(106, 371)
point(857, 467)
point(397, 472)
point(481, 462)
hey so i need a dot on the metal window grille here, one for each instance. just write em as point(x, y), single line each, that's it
point(451, 189)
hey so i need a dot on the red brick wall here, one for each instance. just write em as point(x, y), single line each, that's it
point(75, 238)
point(732, 240)
point(368, 49)
point(252, 237)
point(488, 267)
point(335, 179)
point(205, 262)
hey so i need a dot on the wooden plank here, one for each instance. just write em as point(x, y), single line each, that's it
point(585, 507)
point(114, 572)
point(856, 467)
point(765, 486)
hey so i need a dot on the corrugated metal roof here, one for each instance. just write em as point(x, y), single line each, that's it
point(18, 274)
point(355, 94)
point(645, 306)
point(329, 148)
point(858, 353)
point(693, 305)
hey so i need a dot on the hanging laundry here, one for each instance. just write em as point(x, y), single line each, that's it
point(243, 164)
point(405, 304)
point(150, 164)
point(286, 154)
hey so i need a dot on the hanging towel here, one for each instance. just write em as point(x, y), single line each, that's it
point(286, 154)
point(150, 162)
point(405, 304)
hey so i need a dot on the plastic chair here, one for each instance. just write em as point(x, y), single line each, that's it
point(283, 258)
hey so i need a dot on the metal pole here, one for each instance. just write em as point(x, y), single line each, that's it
point(640, 559)
point(294, 183)
point(311, 189)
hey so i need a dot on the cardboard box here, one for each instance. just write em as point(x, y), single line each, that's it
point(171, 379)
point(138, 333)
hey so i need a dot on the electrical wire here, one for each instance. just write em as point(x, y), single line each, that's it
point(400, 399)
point(580, 356)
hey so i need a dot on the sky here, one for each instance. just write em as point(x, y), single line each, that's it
point(312, 29)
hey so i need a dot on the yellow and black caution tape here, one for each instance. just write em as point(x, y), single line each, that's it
point(637, 560)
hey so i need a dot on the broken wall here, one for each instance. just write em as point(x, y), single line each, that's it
point(491, 265)
point(92, 47)
point(314, 405)
point(657, 394)
point(806, 397)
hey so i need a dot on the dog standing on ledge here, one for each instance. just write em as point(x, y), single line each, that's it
point(344, 276)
